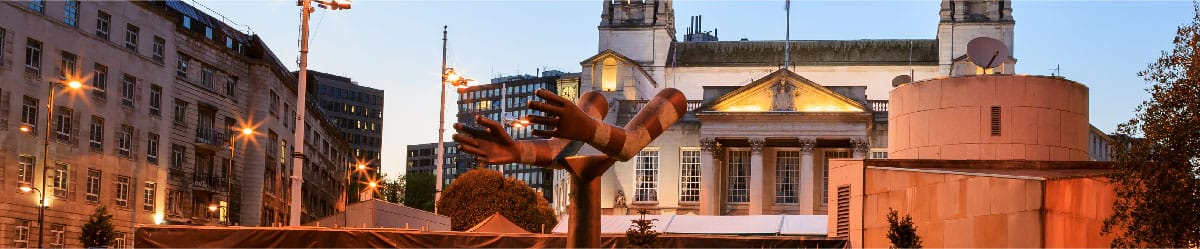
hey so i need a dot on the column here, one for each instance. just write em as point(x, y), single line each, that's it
point(756, 176)
point(710, 150)
point(859, 147)
point(808, 185)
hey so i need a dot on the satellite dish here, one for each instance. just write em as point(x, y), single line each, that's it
point(987, 52)
point(901, 80)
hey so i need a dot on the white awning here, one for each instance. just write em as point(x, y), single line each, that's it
point(698, 224)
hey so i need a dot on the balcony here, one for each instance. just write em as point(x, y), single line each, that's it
point(214, 139)
point(210, 182)
point(177, 173)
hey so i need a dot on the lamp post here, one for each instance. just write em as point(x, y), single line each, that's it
point(453, 79)
point(214, 207)
point(229, 168)
point(25, 188)
point(73, 84)
point(360, 167)
point(301, 104)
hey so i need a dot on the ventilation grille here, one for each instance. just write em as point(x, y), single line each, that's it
point(843, 211)
point(995, 121)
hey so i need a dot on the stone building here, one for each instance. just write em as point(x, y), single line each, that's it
point(154, 133)
point(329, 159)
point(765, 117)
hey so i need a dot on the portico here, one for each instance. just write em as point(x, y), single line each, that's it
point(765, 146)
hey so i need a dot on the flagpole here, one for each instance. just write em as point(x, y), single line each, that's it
point(787, 44)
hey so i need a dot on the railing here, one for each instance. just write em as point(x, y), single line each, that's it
point(878, 105)
point(210, 137)
point(640, 104)
point(215, 183)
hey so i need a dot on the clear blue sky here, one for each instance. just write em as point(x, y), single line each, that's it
point(396, 45)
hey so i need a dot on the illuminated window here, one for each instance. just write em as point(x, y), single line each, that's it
point(689, 175)
point(739, 176)
point(787, 177)
point(608, 75)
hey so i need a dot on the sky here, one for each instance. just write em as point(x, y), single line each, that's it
point(396, 45)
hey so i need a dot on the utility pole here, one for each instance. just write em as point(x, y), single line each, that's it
point(298, 141)
point(441, 148)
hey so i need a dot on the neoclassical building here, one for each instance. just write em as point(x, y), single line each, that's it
point(765, 117)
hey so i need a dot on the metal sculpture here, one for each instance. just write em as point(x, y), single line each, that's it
point(571, 125)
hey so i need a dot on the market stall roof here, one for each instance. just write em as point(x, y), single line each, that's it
point(497, 224)
point(813, 225)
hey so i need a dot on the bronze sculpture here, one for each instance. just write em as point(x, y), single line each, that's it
point(573, 124)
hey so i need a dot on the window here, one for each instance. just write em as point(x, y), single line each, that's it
point(62, 124)
point(25, 169)
point(37, 6)
point(102, 24)
point(231, 86)
point(274, 104)
point(67, 66)
point(787, 177)
point(208, 32)
point(100, 81)
point(21, 239)
point(97, 134)
point(127, 88)
point(608, 75)
point(187, 22)
point(689, 175)
point(2, 36)
point(118, 240)
point(125, 141)
point(71, 13)
point(645, 179)
point(180, 112)
point(879, 154)
point(29, 113)
point(148, 196)
point(177, 154)
point(739, 176)
point(33, 57)
point(131, 37)
point(155, 100)
point(159, 45)
point(825, 174)
point(58, 235)
point(152, 149)
point(60, 180)
point(93, 185)
point(995, 120)
point(206, 77)
point(122, 195)
point(181, 66)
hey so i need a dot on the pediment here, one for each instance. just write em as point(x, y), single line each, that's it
point(784, 91)
point(607, 53)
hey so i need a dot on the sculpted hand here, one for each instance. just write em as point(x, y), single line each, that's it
point(491, 146)
point(570, 121)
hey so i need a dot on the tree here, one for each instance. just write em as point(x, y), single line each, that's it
point(479, 193)
point(98, 231)
point(902, 232)
point(1157, 178)
point(641, 233)
point(391, 190)
point(418, 190)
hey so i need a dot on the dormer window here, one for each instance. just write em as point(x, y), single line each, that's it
point(608, 75)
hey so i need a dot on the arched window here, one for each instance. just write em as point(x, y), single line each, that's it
point(608, 75)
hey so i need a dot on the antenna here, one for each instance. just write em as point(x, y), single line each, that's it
point(1056, 71)
point(987, 52)
point(787, 35)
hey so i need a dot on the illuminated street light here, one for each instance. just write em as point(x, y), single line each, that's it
point(25, 128)
point(74, 84)
point(247, 131)
point(372, 184)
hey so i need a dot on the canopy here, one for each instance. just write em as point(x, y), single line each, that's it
point(814, 225)
point(497, 224)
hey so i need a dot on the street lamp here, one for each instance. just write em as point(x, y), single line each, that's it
point(73, 85)
point(451, 78)
point(361, 168)
point(214, 207)
point(246, 131)
point(306, 10)
point(25, 188)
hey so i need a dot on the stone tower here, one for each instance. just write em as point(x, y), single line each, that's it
point(965, 20)
point(642, 30)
